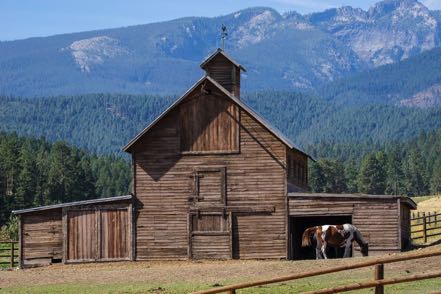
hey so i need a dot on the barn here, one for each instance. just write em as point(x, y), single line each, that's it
point(211, 180)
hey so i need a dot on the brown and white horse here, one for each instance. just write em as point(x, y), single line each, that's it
point(337, 236)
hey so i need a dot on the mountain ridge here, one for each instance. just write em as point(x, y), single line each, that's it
point(306, 51)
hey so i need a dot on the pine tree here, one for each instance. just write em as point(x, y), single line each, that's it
point(351, 173)
point(415, 178)
point(26, 183)
point(435, 181)
point(371, 179)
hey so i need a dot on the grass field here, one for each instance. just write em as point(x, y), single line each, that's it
point(186, 276)
point(427, 204)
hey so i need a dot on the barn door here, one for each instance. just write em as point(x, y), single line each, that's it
point(210, 235)
point(82, 236)
point(114, 234)
point(97, 234)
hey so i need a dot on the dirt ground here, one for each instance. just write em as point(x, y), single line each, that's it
point(205, 272)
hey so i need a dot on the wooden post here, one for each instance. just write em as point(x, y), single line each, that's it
point(379, 275)
point(12, 254)
point(232, 291)
point(424, 230)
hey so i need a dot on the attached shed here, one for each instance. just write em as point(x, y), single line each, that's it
point(91, 230)
point(384, 220)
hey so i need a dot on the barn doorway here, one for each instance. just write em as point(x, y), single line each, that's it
point(297, 226)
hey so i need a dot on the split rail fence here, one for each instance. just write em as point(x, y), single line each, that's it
point(378, 282)
point(8, 253)
point(425, 226)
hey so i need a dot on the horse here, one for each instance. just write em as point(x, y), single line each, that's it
point(336, 236)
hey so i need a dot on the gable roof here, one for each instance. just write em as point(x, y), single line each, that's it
point(219, 51)
point(238, 102)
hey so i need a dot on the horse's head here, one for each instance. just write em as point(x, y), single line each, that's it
point(365, 249)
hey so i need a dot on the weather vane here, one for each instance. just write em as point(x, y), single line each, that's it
point(224, 35)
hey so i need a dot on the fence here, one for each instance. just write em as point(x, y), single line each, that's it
point(378, 283)
point(425, 225)
point(8, 253)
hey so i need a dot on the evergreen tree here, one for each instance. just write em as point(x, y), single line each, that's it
point(351, 173)
point(415, 179)
point(371, 179)
point(26, 182)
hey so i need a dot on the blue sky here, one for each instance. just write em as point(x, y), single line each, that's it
point(28, 18)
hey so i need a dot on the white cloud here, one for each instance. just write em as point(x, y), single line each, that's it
point(432, 4)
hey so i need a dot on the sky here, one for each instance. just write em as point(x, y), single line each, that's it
point(21, 19)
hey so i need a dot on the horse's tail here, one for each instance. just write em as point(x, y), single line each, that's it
point(306, 241)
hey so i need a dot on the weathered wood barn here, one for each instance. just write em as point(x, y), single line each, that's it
point(211, 179)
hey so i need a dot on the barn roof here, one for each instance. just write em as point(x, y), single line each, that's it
point(219, 51)
point(76, 203)
point(237, 101)
point(407, 200)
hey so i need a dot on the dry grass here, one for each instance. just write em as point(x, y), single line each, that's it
point(186, 276)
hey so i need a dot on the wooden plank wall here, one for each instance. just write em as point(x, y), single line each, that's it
point(405, 226)
point(225, 73)
point(163, 176)
point(114, 234)
point(297, 170)
point(42, 237)
point(82, 235)
point(377, 219)
point(208, 123)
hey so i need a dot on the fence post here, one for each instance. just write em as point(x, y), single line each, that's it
point(424, 230)
point(379, 275)
point(12, 254)
point(232, 291)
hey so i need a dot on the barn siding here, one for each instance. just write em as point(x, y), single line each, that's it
point(255, 177)
point(42, 237)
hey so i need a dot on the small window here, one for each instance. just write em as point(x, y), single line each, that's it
point(208, 223)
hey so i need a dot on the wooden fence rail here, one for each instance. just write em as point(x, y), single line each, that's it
point(378, 282)
point(429, 224)
point(8, 253)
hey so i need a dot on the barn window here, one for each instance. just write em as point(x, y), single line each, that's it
point(209, 185)
point(209, 124)
point(209, 222)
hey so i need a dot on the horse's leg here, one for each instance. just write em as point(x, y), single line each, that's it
point(324, 250)
point(348, 249)
point(318, 253)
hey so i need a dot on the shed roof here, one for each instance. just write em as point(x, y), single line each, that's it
point(237, 101)
point(219, 51)
point(76, 203)
point(407, 200)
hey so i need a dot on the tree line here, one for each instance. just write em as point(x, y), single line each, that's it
point(412, 168)
point(34, 172)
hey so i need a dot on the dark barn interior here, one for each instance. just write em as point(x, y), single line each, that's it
point(297, 225)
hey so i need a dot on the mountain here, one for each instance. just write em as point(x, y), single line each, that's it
point(280, 51)
point(413, 82)
point(389, 31)
point(103, 123)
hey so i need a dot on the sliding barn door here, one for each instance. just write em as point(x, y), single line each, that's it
point(82, 237)
point(98, 234)
point(114, 234)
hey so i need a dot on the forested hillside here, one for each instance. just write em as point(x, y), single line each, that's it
point(34, 172)
point(388, 84)
point(412, 168)
point(104, 123)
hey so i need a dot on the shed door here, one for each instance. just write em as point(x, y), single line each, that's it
point(114, 234)
point(82, 239)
